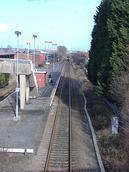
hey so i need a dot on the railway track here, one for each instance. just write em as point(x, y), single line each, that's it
point(71, 147)
point(5, 92)
point(59, 152)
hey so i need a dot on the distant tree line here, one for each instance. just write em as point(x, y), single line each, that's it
point(61, 52)
point(79, 57)
point(109, 52)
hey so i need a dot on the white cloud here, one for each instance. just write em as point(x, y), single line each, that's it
point(3, 27)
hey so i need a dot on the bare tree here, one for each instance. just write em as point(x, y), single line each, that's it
point(61, 51)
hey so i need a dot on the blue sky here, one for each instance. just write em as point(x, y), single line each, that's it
point(65, 22)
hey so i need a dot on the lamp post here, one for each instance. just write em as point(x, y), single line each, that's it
point(50, 43)
point(54, 46)
point(34, 36)
point(17, 33)
point(46, 42)
point(28, 49)
point(48, 48)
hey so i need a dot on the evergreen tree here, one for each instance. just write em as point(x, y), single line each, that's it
point(110, 37)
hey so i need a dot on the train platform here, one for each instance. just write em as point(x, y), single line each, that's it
point(26, 133)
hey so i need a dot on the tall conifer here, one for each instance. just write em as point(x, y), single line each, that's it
point(110, 38)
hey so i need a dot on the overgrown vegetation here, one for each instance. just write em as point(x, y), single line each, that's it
point(4, 78)
point(109, 53)
point(114, 149)
point(108, 69)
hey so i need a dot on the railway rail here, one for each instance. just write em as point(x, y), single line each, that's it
point(71, 147)
point(59, 151)
point(6, 91)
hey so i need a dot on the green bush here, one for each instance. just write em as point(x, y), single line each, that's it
point(4, 78)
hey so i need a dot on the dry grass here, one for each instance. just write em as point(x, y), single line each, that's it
point(114, 153)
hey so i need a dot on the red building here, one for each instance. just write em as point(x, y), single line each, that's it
point(41, 78)
point(39, 58)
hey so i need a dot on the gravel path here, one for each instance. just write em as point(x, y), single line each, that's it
point(84, 158)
